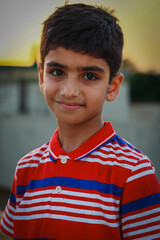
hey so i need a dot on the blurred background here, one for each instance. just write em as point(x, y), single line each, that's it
point(25, 121)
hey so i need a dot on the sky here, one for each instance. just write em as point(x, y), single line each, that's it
point(21, 24)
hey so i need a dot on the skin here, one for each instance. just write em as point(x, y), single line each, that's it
point(75, 87)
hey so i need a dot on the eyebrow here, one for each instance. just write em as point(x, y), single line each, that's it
point(56, 64)
point(92, 68)
point(87, 68)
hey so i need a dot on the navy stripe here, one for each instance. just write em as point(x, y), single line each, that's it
point(12, 198)
point(21, 189)
point(95, 149)
point(141, 203)
point(73, 183)
point(121, 141)
point(53, 160)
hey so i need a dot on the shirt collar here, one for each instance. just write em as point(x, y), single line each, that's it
point(97, 140)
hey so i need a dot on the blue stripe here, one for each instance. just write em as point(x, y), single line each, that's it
point(73, 183)
point(141, 203)
point(120, 141)
point(21, 189)
point(95, 149)
point(53, 160)
point(12, 198)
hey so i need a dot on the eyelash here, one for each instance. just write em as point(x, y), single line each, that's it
point(57, 70)
point(91, 74)
point(94, 76)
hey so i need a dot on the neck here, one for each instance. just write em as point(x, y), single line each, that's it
point(72, 136)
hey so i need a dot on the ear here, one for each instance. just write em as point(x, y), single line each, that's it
point(114, 87)
point(41, 76)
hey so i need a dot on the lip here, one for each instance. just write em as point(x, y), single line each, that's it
point(70, 105)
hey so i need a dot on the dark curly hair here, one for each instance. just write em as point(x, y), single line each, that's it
point(87, 29)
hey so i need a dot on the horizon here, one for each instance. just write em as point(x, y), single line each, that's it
point(21, 30)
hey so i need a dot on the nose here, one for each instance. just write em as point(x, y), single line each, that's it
point(70, 88)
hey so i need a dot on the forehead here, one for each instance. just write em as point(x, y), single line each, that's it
point(74, 59)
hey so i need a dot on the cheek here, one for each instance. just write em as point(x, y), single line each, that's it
point(50, 89)
point(97, 98)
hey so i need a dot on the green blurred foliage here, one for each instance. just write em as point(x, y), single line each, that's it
point(144, 87)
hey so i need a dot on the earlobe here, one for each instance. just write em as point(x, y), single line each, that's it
point(41, 76)
point(114, 87)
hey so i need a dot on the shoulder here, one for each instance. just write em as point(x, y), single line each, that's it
point(33, 158)
point(132, 158)
point(122, 152)
point(127, 160)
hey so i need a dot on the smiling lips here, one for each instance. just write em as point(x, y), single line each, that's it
point(70, 105)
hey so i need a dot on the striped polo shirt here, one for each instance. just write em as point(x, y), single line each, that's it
point(104, 189)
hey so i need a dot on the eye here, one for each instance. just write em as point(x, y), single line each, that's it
point(57, 73)
point(90, 76)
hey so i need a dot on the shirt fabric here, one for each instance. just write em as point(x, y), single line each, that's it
point(105, 189)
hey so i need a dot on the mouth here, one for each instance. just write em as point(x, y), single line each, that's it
point(70, 105)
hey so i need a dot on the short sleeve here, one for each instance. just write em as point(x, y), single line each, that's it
point(140, 203)
point(6, 224)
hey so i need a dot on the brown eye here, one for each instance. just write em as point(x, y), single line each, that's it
point(57, 73)
point(90, 76)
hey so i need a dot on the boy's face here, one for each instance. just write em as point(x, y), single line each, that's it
point(76, 85)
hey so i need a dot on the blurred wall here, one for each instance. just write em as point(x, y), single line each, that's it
point(26, 123)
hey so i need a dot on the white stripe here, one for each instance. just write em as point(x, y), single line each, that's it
point(7, 220)
point(67, 209)
point(139, 175)
point(126, 148)
point(144, 230)
point(113, 156)
point(119, 151)
point(30, 164)
point(116, 145)
point(6, 228)
point(53, 155)
point(68, 218)
point(69, 201)
point(46, 160)
point(27, 165)
point(12, 208)
point(139, 223)
point(110, 163)
point(142, 165)
point(18, 200)
point(91, 195)
point(139, 215)
point(75, 194)
point(34, 158)
point(9, 214)
point(150, 237)
point(144, 157)
point(36, 193)
point(37, 200)
point(33, 153)
point(36, 151)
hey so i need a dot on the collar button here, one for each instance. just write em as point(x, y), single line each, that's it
point(63, 160)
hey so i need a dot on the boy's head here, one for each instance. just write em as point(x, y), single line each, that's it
point(86, 29)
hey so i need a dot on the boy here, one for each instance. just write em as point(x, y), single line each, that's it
point(87, 182)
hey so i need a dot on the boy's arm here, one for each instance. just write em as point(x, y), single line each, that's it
point(140, 204)
point(6, 223)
